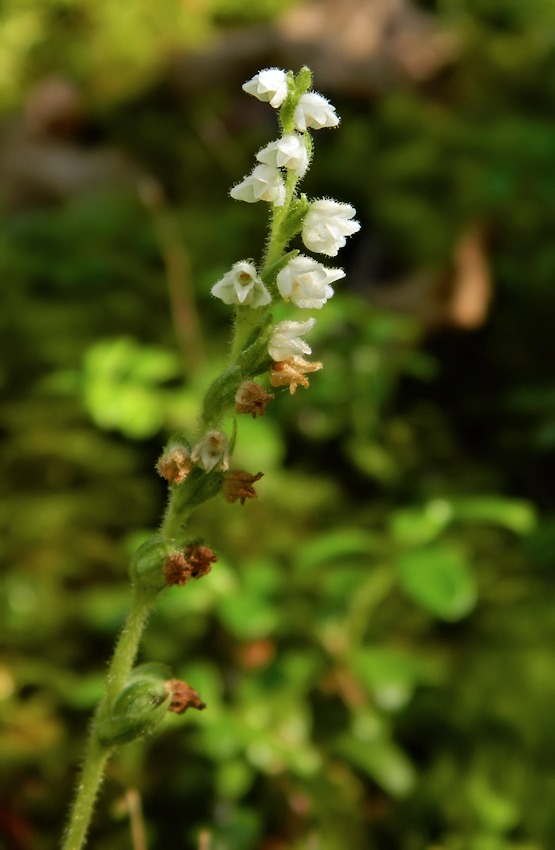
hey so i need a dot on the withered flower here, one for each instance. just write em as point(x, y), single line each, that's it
point(177, 569)
point(194, 562)
point(238, 485)
point(200, 559)
point(182, 697)
point(292, 373)
point(174, 464)
point(252, 398)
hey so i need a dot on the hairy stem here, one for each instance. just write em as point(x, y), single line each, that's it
point(97, 755)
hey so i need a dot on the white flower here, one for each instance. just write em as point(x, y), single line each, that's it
point(288, 152)
point(306, 282)
point(269, 86)
point(286, 341)
point(242, 285)
point(313, 110)
point(264, 183)
point(211, 451)
point(326, 226)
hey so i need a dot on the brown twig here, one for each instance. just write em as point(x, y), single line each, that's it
point(136, 820)
point(178, 273)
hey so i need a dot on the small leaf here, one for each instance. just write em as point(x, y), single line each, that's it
point(343, 544)
point(383, 761)
point(415, 526)
point(438, 578)
point(391, 673)
point(514, 514)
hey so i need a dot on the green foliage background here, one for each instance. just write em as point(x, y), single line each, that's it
point(375, 644)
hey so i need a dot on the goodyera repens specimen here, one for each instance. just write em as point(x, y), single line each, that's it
point(198, 466)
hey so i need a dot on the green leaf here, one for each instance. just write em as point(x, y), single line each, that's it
point(514, 514)
point(382, 760)
point(438, 578)
point(251, 611)
point(415, 526)
point(390, 674)
point(342, 544)
point(497, 811)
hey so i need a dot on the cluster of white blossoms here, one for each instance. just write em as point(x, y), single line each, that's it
point(324, 225)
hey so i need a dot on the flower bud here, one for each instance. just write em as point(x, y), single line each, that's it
point(288, 152)
point(306, 282)
point(326, 226)
point(285, 341)
point(264, 183)
point(269, 86)
point(313, 110)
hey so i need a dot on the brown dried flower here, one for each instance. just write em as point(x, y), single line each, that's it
point(252, 398)
point(200, 558)
point(292, 373)
point(238, 485)
point(174, 464)
point(182, 697)
point(194, 562)
point(177, 569)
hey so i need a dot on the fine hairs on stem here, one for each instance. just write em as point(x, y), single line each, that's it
point(198, 466)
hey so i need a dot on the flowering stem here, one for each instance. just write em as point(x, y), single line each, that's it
point(279, 240)
point(126, 647)
point(135, 701)
point(96, 757)
point(246, 321)
point(97, 754)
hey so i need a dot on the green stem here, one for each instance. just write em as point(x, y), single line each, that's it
point(247, 319)
point(126, 648)
point(278, 241)
point(97, 755)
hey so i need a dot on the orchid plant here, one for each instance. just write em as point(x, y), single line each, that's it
point(199, 467)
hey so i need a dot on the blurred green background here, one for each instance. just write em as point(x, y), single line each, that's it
point(375, 644)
